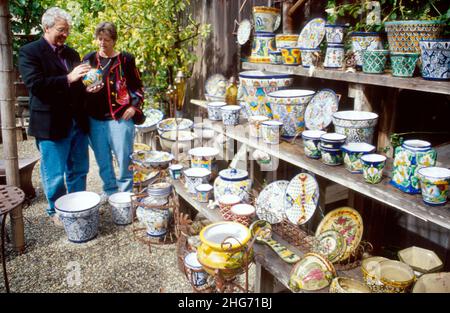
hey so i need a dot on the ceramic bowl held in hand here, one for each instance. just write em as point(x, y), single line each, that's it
point(93, 78)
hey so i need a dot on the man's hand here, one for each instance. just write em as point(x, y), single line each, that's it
point(129, 113)
point(95, 88)
point(78, 72)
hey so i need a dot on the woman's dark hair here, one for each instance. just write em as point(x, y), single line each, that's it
point(108, 28)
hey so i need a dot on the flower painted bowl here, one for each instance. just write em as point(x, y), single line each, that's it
point(311, 140)
point(395, 276)
point(434, 183)
point(352, 153)
point(370, 270)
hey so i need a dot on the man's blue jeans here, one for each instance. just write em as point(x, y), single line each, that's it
point(65, 158)
point(107, 137)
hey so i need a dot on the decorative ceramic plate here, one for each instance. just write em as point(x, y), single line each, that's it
point(319, 112)
point(153, 117)
point(270, 202)
point(216, 85)
point(312, 34)
point(348, 222)
point(331, 244)
point(244, 31)
point(301, 198)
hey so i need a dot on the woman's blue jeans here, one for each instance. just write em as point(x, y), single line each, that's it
point(65, 158)
point(106, 138)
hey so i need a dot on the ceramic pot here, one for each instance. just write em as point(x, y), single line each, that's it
point(290, 56)
point(358, 126)
point(155, 220)
point(275, 57)
point(335, 33)
point(311, 140)
point(170, 124)
point(347, 285)
point(194, 270)
point(271, 131)
point(374, 61)
point(121, 209)
point(409, 158)
point(435, 59)
point(196, 176)
point(93, 78)
point(230, 114)
point(288, 106)
point(370, 270)
point(233, 181)
point(204, 157)
point(267, 19)
point(404, 36)
point(308, 56)
point(226, 202)
point(329, 156)
point(255, 85)
point(332, 140)
point(395, 276)
point(373, 165)
point(160, 190)
point(434, 184)
point(334, 56)
point(243, 213)
point(352, 153)
point(204, 192)
point(175, 171)
point(286, 40)
point(223, 247)
point(79, 213)
point(185, 139)
point(262, 44)
point(403, 64)
point(362, 41)
point(214, 110)
point(254, 123)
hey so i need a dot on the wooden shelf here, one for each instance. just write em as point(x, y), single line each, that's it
point(382, 192)
point(386, 80)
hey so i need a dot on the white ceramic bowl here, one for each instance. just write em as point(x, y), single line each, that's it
point(185, 140)
point(170, 124)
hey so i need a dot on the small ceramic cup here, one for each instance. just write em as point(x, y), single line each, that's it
point(255, 125)
point(204, 192)
point(271, 132)
point(230, 114)
point(175, 171)
point(226, 201)
point(434, 183)
point(373, 165)
point(311, 140)
point(243, 213)
point(214, 110)
point(308, 56)
point(291, 56)
point(352, 153)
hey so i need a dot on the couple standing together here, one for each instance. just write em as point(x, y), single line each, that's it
point(65, 116)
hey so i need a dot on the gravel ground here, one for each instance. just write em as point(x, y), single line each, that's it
point(115, 261)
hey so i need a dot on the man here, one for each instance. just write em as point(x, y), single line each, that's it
point(52, 74)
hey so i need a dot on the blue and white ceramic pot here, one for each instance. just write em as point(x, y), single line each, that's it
point(434, 184)
point(308, 56)
point(121, 208)
point(332, 140)
point(156, 221)
point(358, 126)
point(334, 56)
point(175, 171)
point(214, 110)
point(353, 152)
point(233, 181)
point(194, 270)
point(435, 59)
point(311, 140)
point(330, 156)
point(230, 114)
point(271, 131)
point(409, 158)
point(266, 19)
point(373, 165)
point(362, 41)
point(335, 33)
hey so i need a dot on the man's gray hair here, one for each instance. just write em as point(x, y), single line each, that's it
point(51, 15)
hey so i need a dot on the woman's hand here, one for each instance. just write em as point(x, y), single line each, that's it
point(95, 88)
point(129, 113)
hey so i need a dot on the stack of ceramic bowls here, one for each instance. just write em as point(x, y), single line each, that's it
point(330, 148)
point(334, 57)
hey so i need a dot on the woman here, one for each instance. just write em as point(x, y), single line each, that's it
point(112, 107)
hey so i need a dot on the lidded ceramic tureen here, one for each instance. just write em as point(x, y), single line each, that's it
point(233, 181)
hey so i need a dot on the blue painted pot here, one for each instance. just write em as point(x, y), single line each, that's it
point(435, 59)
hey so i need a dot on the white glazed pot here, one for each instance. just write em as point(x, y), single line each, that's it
point(334, 56)
point(121, 208)
point(358, 126)
point(271, 131)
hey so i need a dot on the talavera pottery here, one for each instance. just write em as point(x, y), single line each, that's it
point(348, 222)
point(334, 56)
point(409, 158)
point(194, 270)
point(319, 112)
point(334, 33)
point(226, 202)
point(215, 86)
point(312, 272)
point(291, 56)
point(121, 209)
point(160, 190)
point(244, 31)
point(79, 213)
point(183, 138)
point(286, 40)
point(433, 283)
point(403, 64)
point(358, 126)
point(374, 61)
point(395, 276)
point(330, 156)
point(204, 157)
point(233, 181)
point(362, 41)
point(420, 259)
point(142, 179)
point(214, 110)
point(267, 19)
point(275, 57)
point(301, 198)
point(262, 44)
point(311, 140)
point(151, 158)
point(435, 59)
point(332, 140)
point(223, 247)
point(347, 285)
point(175, 171)
point(268, 206)
point(312, 34)
point(370, 268)
point(156, 220)
point(93, 78)
point(330, 244)
point(271, 131)
point(373, 165)
point(352, 153)
point(262, 231)
point(230, 114)
point(254, 123)
point(308, 56)
point(153, 117)
point(434, 183)
point(204, 192)
point(288, 106)
point(173, 123)
point(243, 213)
point(255, 85)
point(196, 176)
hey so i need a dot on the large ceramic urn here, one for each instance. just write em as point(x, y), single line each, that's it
point(233, 181)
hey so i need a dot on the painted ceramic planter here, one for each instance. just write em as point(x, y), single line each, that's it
point(332, 140)
point(204, 192)
point(286, 40)
point(403, 64)
point(204, 157)
point(233, 181)
point(374, 61)
point(79, 213)
point(334, 33)
point(214, 110)
point(395, 276)
point(275, 57)
point(121, 209)
point(255, 85)
point(255, 125)
point(308, 56)
point(184, 139)
point(331, 157)
point(243, 213)
point(404, 36)
point(311, 140)
point(347, 285)
point(373, 165)
point(271, 131)
point(230, 114)
point(175, 171)
point(290, 56)
point(194, 270)
point(93, 78)
point(409, 158)
point(223, 247)
point(196, 176)
point(155, 220)
point(262, 44)
point(358, 126)
point(435, 59)
point(288, 107)
point(352, 155)
point(334, 56)
point(362, 41)
point(160, 190)
point(434, 184)
point(267, 19)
